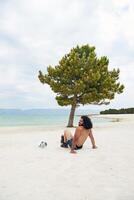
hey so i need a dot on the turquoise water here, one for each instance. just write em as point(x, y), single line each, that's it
point(41, 117)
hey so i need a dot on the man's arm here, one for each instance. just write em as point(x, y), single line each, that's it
point(75, 139)
point(92, 139)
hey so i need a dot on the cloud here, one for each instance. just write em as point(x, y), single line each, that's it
point(35, 34)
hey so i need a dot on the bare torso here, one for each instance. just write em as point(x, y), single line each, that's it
point(83, 135)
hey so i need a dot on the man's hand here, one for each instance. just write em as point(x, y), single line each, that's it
point(94, 147)
point(72, 151)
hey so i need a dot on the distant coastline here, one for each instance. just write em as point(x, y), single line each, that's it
point(118, 111)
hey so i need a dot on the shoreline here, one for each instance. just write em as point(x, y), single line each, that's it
point(113, 118)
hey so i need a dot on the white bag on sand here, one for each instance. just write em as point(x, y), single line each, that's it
point(43, 144)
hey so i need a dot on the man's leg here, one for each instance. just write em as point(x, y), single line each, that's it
point(66, 139)
point(67, 135)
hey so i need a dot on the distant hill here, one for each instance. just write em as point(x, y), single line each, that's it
point(119, 111)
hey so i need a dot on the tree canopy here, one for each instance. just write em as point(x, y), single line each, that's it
point(82, 78)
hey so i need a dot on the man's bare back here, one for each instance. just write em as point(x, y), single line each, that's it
point(82, 135)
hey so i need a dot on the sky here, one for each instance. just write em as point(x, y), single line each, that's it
point(37, 33)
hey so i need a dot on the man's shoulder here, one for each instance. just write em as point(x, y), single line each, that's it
point(79, 128)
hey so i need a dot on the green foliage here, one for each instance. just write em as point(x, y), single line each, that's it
point(82, 78)
point(119, 111)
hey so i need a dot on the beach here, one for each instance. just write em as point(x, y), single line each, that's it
point(28, 172)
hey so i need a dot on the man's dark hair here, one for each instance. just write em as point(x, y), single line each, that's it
point(87, 124)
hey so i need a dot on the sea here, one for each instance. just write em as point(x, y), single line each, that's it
point(45, 117)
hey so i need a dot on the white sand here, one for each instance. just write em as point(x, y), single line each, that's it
point(30, 173)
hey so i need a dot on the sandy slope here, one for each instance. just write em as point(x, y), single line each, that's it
point(30, 173)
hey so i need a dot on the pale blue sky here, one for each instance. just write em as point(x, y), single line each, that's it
point(35, 34)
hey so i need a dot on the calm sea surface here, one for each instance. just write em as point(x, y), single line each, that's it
point(42, 117)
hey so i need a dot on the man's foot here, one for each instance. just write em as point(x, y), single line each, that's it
point(64, 146)
point(62, 139)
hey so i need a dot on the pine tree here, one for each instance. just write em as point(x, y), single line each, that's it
point(82, 78)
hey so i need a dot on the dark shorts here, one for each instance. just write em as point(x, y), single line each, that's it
point(78, 147)
point(69, 144)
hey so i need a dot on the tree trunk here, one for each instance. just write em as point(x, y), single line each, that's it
point(71, 116)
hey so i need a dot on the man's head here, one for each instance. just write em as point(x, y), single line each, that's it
point(80, 122)
point(85, 122)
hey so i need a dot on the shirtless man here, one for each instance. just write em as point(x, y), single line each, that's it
point(82, 132)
